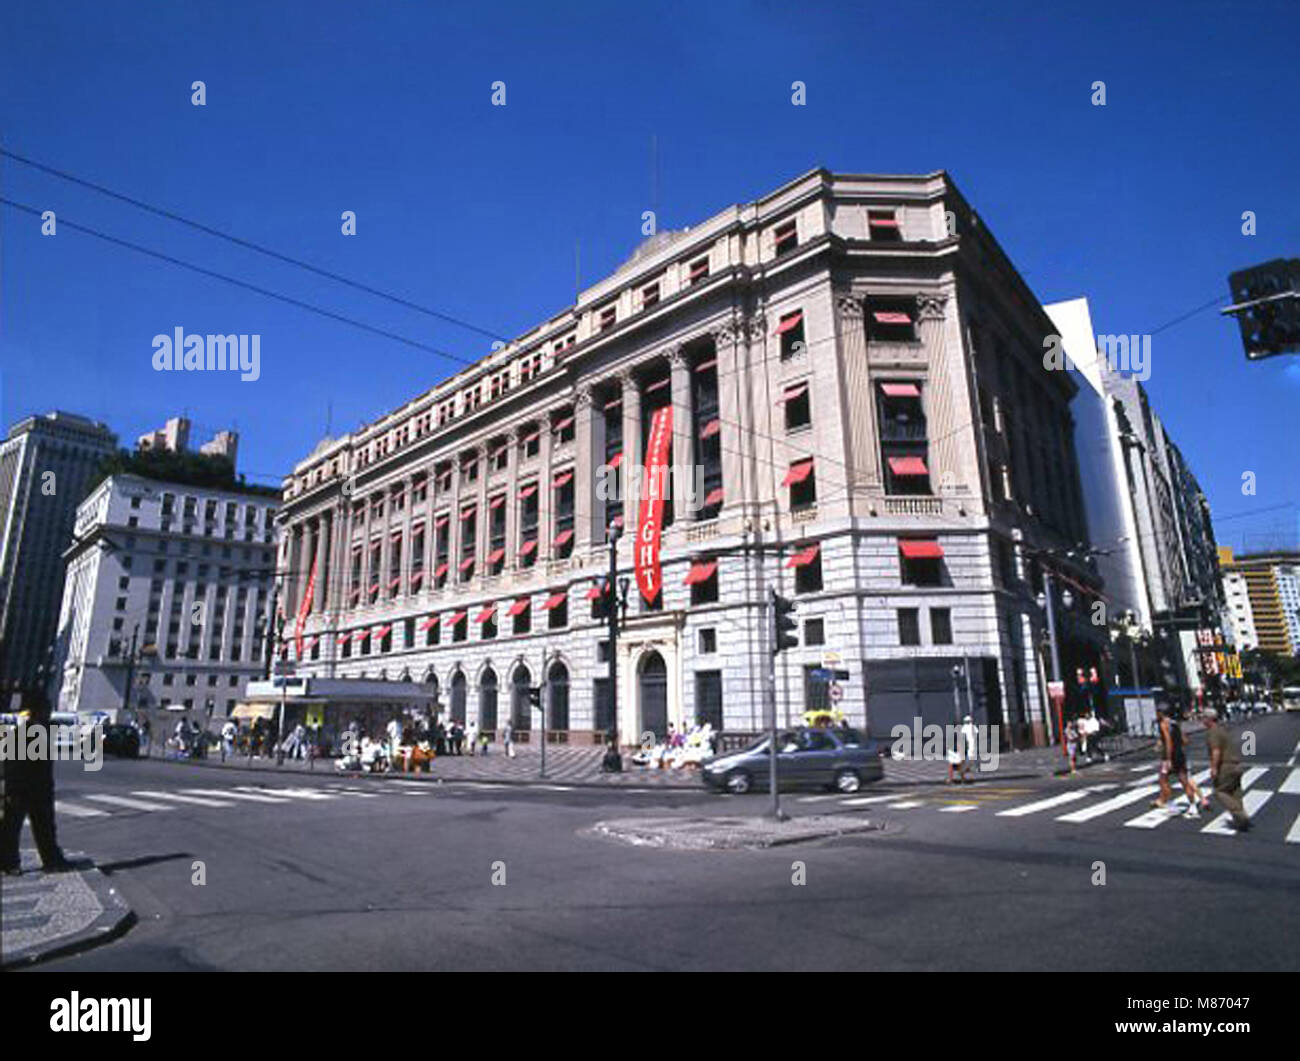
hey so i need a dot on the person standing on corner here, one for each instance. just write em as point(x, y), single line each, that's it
point(29, 793)
point(508, 738)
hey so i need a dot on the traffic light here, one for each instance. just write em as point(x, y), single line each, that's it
point(784, 623)
point(1266, 303)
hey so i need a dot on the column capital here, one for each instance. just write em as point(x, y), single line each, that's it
point(627, 377)
point(727, 334)
point(676, 356)
point(755, 328)
point(930, 306)
point(584, 398)
point(849, 306)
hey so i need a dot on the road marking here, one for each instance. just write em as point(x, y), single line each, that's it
point(1138, 769)
point(1252, 801)
point(1146, 780)
point(232, 794)
point(1293, 836)
point(417, 784)
point(1252, 775)
point(907, 804)
point(1159, 815)
point(862, 801)
point(1054, 801)
point(1108, 805)
point(1294, 754)
point(130, 804)
point(555, 788)
point(199, 801)
point(1291, 785)
point(292, 793)
point(957, 809)
point(73, 810)
point(814, 799)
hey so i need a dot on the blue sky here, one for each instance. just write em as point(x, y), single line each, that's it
point(383, 108)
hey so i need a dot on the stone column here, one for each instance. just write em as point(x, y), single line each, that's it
point(408, 545)
point(861, 450)
point(683, 484)
point(632, 455)
point(586, 509)
point(946, 416)
point(482, 453)
point(731, 383)
point(514, 437)
point(545, 488)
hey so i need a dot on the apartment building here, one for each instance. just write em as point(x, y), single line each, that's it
point(857, 390)
point(1270, 584)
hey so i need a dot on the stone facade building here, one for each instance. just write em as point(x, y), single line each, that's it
point(858, 390)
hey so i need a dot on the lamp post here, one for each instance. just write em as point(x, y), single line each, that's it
point(1047, 601)
point(611, 612)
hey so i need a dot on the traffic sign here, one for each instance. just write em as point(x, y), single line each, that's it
point(821, 674)
point(836, 693)
point(1056, 690)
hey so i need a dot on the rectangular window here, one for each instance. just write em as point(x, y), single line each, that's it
point(807, 565)
point(891, 320)
point(608, 317)
point(557, 610)
point(816, 689)
point(562, 426)
point(785, 238)
point(814, 632)
point(468, 538)
point(802, 482)
point(790, 332)
point(798, 407)
point(699, 271)
point(708, 698)
point(496, 560)
point(883, 225)
point(708, 641)
point(703, 581)
point(941, 626)
point(562, 544)
point(909, 626)
point(650, 295)
point(904, 441)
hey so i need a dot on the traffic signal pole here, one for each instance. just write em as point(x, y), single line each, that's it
point(771, 681)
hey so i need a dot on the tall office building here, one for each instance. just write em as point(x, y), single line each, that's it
point(1272, 585)
point(46, 465)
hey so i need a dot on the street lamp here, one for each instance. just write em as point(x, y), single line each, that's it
point(614, 757)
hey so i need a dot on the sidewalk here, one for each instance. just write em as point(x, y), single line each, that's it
point(51, 914)
point(579, 766)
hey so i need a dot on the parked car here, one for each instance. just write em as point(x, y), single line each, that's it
point(807, 757)
point(122, 740)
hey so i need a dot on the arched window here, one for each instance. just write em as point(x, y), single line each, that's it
point(521, 711)
point(653, 689)
point(557, 696)
point(487, 699)
point(458, 693)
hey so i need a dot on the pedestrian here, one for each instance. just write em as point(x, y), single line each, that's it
point(483, 742)
point(1173, 761)
point(508, 738)
point(440, 735)
point(228, 733)
point(1072, 744)
point(970, 747)
point(473, 736)
point(29, 793)
point(1225, 771)
point(144, 735)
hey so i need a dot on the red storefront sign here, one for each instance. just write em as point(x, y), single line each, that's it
point(649, 577)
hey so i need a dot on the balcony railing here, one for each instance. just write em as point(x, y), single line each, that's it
point(914, 506)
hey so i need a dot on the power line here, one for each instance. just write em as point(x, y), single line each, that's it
point(241, 283)
point(249, 244)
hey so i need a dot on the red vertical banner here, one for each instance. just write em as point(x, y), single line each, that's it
point(304, 609)
point(649, 578)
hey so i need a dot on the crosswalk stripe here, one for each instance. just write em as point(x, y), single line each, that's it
point(814, 799)
point(199, 801)
point(1146, 780)
point(957, 809)
point(1252, 801)
point(232, 794)
point(130, 804)
point(907, 804)
point(1106, 806)
point(1293, 835)
point(74, 810)
point(1252, 775)
point(1159, 815)
point(1291, 785)
point(862, 801)
point(292, 793)
point(1048, 804)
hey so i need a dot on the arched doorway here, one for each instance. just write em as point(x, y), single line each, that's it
point(487, 699)
point(652, 688)
point(521, 711)
point(458, 692)
point(557, 696)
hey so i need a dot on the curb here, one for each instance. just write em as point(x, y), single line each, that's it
point(114, 920)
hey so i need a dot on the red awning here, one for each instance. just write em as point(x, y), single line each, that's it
point(700, 268)
point(883, 317)
point(486, 614)
point(798, 473)
point(908, 466)
point(562, 538)
point(711, 428)
point(797, 390)
point(701, 571)
point(920, 549)
point(901, 390)
point(531, 438)
point(361, 635)
point(497, 501)
point(343, 638)
point(519, 607)
point(429, 622)
point(441, 522)
point(793, 320)
point(374, 588)
point(715, 497)
point(467, 513)
point(393, 583)
point(528, 547)
point(495, 555)
point(527, 491)
point(806, 557)
point(660, 385)
point(563, 478)
point(467, 563)
point(882, 222)
point(556, 599)
point(440, 571)
point(417, 577)
point(456, 617)
point(497, 452)
point(616, 460)
point(594, 592)
point(614, 403)
point(560, 425)
point(382, 632)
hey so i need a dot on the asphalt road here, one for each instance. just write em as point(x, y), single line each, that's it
point(399, 875)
